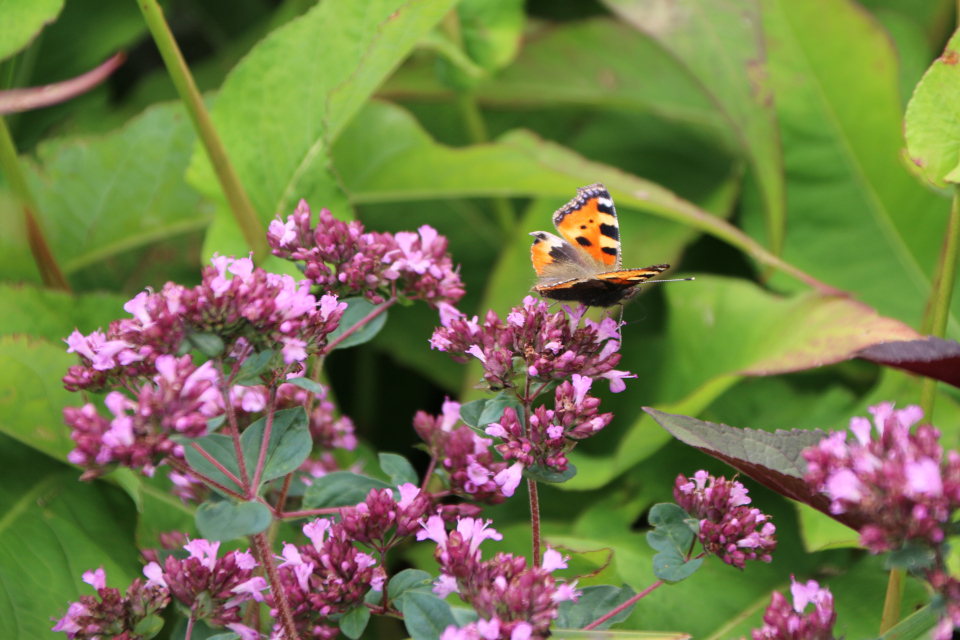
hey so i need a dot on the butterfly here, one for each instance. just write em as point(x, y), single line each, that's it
point(584, 265)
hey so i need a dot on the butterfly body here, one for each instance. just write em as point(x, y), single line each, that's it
point(585, 265)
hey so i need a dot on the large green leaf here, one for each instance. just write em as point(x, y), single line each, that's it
point(598, 62)
point(932, 124)
point(20, 22)
point(287, 100)
point(53, 315)
point(52, 529)
point(858, 218)
point(31, 405)
point(721, 43)
point(101, 197)
point(719, 330)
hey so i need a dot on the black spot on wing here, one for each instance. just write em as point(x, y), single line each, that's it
point(610, 251)
point(583, 242)
point(604, 208)
point(611, 231)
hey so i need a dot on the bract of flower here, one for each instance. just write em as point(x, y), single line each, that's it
point(729, 529)
point(546, 346)
point(108, 614)
point(785, 622)
point(382, 520)
point(896, 479)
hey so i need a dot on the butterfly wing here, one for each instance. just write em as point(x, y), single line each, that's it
point(556, 260)
point(632, 277)
point(589, 223)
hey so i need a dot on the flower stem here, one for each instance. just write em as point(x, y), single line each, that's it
point(189, 631)
point(292, 515)
point(50, 273)
point(534, 519)
point(276, 588)
point(370, 316)
point(233, 429)
point(222, 469)
point(185, 468)
point(265, 443)
point(940, 304)
point(182, 79)
point(629, 603)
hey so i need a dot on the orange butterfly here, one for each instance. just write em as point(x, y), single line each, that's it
point(584, 266)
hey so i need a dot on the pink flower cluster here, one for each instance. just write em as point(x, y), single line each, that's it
point(785, 622)
point(178, 400)
point(211, 588)
point(551, 346)
point(324, 578)
point(546, 440)
point(339, 256)
point(515, 602)
point(252, 310)
point(381, 521)
point(899, 482)
point(729, 528)
point(108, 615)
point(465, 458)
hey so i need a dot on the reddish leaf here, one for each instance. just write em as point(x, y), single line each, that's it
point(772, 459)
point(932, 357)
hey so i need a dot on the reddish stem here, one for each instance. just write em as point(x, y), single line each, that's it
point(534, 519)
point(625, 605)
point(222, 469)
point(426, 476)
point(288, 515)
point(276, 588)
point(185, 468)
point(284, 490)
point(265, 443)
point(233, 429)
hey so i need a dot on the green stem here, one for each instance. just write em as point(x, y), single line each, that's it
point(891, 604)
point(50, 273)
point(236, 196)
point(940, 305)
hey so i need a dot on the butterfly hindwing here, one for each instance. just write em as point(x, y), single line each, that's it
point(577, 267)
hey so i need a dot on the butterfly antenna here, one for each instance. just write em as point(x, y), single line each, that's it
point(671, 280)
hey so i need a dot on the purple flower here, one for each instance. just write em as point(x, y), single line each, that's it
point(897, 481)
point(783, 622)
point(108, 614)
point(729, 528)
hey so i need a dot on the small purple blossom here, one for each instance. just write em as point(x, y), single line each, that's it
point(108, 614)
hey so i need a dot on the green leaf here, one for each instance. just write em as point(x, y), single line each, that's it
point(491, 30)
point(931, 125)
point(340, 489)
point(53, 529)
point(45, 313)
point(398, 468)
point(221, 449)
point(253, 367)
point(722, 46)
point(671, 531)
point(100, 197)
point(731, 328)
point(31, 407)
point(22, 21)
point(407, 580)
point(279, 110)
point(308, 384)
point(912, 557)
point(355, 621)
point(495, 406)
point(540, 474)
point(226, 520)
point(855, 208)
point(594, 602)
point(209, 344)
point(358, 309)
point(424, 615)
point(470, 412)
point(289, 446)
point(917, 625)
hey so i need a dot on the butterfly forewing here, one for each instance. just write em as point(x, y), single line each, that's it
point(589, 222)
